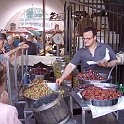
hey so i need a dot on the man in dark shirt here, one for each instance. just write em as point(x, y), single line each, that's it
point(93, 51)
point(32, 46)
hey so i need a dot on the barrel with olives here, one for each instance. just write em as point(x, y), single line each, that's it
point(37, 89)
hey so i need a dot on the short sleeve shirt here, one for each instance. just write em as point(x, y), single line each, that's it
point(2, 58)
point(83, 55)
point(8, 114)
point(8, 47)
point(32, 50)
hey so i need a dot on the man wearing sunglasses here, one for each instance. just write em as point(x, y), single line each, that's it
point(93, 51)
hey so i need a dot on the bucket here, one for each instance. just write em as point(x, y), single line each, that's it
point(51, 109)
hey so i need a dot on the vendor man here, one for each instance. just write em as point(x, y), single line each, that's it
point(93, 51)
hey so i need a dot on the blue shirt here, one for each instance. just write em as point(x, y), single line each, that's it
point(8, 47)
point(2, 58)
point(83, 55)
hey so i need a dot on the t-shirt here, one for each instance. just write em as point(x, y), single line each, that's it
point(8, 47)
point(8, 114)
point(83, 55)
point(2, 58)
point(32, 50)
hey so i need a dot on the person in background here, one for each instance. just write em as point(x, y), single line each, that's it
point(9, 45)
point(3, 35)
point(16, 41)
point(8, 113)
point(40, 42)
point(2, 50)
point(32, 50)
point(93, 51)
point(38, 45)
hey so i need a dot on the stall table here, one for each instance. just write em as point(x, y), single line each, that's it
point(83, 104)
point(79, 101)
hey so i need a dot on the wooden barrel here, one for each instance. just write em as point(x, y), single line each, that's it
point(51, 109)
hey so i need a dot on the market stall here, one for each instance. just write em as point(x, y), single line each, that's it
point(99, 104)
point(18, 91)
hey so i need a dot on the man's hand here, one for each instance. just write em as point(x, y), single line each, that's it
point(24, 46)
point(4, 97)
point(68, 69)
point(59, 81)
point(103, 63)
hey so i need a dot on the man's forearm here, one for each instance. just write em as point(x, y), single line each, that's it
point(69, 68)
point(112, 63)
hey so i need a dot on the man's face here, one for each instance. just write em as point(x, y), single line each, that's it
point(10, 41)
point(89, 39)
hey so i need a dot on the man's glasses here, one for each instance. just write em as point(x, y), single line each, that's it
point(88, 38)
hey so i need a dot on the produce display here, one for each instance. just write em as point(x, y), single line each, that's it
point(102, 85)
point(39, 71)
point(90, 75)
point(59, 66)
point(57, 70)
point(41, 65)
point(37, 89)
point(98, 93)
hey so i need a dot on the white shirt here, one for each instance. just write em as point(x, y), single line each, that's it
point(8, 114)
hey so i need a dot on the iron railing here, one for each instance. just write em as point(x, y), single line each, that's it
point(106, 15)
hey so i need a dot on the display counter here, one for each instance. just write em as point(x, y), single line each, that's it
point(99, 111)
point(33, 59)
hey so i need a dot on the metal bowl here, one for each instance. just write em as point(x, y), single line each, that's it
point(106, 85)
point(101, 103)
point(81, 87)
point(105, 76)
point(104, 102)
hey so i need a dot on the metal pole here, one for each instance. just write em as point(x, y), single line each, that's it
point(44, 39)
point(26, 60)
point(66, 23)
point(8, 81)
point(15, 74)
point(22, 64)
point(58, 50)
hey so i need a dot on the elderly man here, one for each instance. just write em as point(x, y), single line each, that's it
point(9, 44)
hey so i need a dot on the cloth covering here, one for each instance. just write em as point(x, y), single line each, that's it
point(100, 111)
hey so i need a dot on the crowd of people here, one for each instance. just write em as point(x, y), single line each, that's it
point(9, 42)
